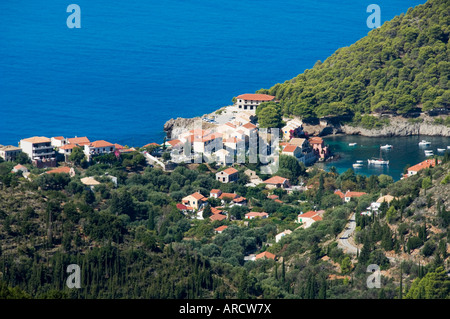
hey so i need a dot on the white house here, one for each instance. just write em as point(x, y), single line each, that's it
point(251, 101)
point(98, 148)
point(9, 152)
point(308, 218)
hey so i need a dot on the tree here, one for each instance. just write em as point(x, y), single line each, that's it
point(346, 265)
point(77, 155)
point(434, 285)
point(269, 117)
point(207, 212)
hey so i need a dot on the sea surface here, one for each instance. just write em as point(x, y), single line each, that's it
point(135, 64)
point(405, 152)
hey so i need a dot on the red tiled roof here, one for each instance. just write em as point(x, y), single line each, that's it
point(68, 146)
point(275, 180)
point(101, 143)
point(290, 148)
point(151, 144)
point(422, 165)
point(78, 140)
point(215, 191)
point(221, 228)
point(265, 254)
point(308, 214)
point(215, 210)
point(338, 192)
point(181, 206)
point(315, 140)
point(62, 169)
point(354, 194)
point(174, 142)
point(229, 195)
point(240, 199)
point(197, 196)
point(256, 97)
point(217, 217)
point(230, 170)
point(249, 126)
point(60, 138)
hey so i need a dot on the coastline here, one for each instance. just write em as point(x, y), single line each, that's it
point(398, 126)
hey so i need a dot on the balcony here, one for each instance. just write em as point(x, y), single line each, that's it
point(42, 147)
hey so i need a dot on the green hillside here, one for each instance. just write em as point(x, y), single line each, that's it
point(400, 67)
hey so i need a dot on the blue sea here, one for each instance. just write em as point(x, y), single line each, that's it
point(135, 64)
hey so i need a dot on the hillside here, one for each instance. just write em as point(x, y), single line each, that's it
point(399, 68)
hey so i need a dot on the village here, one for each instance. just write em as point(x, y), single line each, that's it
point(222, 145)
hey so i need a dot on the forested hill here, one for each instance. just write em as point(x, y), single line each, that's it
point(400, 67)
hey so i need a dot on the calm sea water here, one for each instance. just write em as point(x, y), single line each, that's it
point(135, 64)
point(405, 151)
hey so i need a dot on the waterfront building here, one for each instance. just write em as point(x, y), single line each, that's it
point(249, 102)
point(40, 150)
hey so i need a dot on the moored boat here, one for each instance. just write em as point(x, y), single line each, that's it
point(386, 147)
point(424, 143)
point(352, 144)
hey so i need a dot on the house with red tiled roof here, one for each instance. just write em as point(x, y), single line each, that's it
point(220, 229)
point(319, 147)
point(58, 141)
point(219, 217)
point(265, 255)
point(310, 217)
point(215, 193)
point(292, 150)
point(19, 167)
point(348, 195)
point(277, 182)
point(81, 141)
point(251, 101)
point(151, 144)
point(413, 170)
point(227, 175)
point(195, 200)
point(62, 169)
point(97, 148)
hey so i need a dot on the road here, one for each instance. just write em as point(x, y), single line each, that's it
point(345, 242)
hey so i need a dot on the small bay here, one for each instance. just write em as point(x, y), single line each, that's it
point(405, 151)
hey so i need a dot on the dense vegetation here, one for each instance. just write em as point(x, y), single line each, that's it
point(131, 241)
point(399, 68)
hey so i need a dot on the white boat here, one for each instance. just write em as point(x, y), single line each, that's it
point(378, 161)
point(424, 143)
point(441, 150)
point(386, 147)
point(356, 165)
point(359, 162)
point(352, 144)
point(448, 147)
point(429, 153)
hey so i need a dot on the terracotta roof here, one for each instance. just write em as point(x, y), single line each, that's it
point(256, 97)
point(62, 169)
point(151, 144)
point(315, 140)
point(217, 217)
point(239, 199)
point(221, 228)
point(308, 214)
point(230, 171)
point(249, 126)
point(101, 143)
point(68, 147)
point(265, 254)
point(422, 165)
point(215, 210)
point(338, 192)
point(118, 146)
point(354, 194)
point(37, 139)
point(215, 191)
point(197, 196)
point(275, 180)
point(174, 142)
point(289, 148)
point(78, 140)
point(181, 206)
point(273, 196)
point(232, 140)
point(19, 166)
point(60, 138)
point(229, 195)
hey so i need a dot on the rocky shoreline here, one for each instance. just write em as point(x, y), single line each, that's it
point(398, 126)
